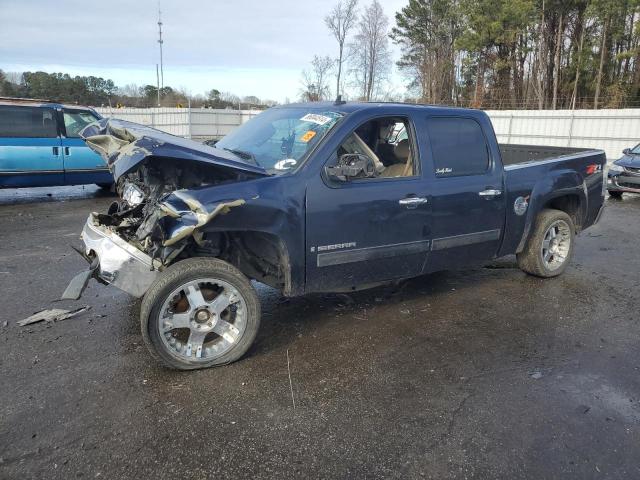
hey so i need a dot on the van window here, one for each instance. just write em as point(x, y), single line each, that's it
point(458, 146)
point(27, 122)
point(76, 120)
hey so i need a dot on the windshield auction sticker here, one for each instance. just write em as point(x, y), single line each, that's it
point(308, 136)
point(315, 118)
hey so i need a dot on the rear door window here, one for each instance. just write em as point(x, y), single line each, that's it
point(458, 145)
point(76, 120)
point(27, 122)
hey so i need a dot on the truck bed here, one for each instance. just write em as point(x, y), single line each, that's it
point(513, 154)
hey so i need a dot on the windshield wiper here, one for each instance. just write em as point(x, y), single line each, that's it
point(243, 154)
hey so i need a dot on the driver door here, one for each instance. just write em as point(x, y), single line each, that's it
point(367, 230)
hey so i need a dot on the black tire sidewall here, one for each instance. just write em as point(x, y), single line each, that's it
point(179, 274)
point(547, 218)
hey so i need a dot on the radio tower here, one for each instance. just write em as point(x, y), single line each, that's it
point(160, 42)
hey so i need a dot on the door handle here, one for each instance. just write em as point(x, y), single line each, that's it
point(56, 151)
point(66, 151)
point(490, 192)
point(412, 202)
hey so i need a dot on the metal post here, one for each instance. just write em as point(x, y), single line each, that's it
point(189, 114)
point(158, 83)
point(570, 128)
point(509, 131)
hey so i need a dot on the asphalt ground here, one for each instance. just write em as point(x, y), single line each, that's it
point(481, 373)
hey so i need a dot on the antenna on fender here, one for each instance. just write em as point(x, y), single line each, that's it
point(339, 100)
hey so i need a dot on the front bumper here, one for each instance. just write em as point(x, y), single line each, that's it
point(118, 263)
point(623, 182)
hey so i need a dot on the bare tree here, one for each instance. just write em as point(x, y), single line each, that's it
point(371, 58)
point(315, 82)
point(340, 21)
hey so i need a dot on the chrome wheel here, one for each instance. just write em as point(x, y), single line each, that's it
point(556, 245)
point(202, 320)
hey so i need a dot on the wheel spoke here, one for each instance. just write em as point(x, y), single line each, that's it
point(552, 232)
point(546, 243)
point(194, 344)
point(226, 330)
point(547, 256)
point(194, 295)
point(220, 303)
point(176, 320)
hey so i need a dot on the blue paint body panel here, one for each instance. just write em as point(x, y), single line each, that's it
point(39, 162)
point(342, 235)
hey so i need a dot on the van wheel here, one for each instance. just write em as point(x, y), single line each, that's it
point(201, 312)
point(549, 249)
point(615, 193)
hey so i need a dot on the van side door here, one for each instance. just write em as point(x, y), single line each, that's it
point(30, 153)
point(81, 164)
point(468, 193)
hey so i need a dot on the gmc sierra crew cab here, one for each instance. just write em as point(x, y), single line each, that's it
point(320, 197)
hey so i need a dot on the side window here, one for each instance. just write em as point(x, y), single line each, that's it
point(386, 142)
point(458, 145)
point(76, 120)
point(27, 122)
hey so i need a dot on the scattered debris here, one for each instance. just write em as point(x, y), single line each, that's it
point(536, 375)
point(52, 315)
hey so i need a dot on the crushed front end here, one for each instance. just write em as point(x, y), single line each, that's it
point(157, 218)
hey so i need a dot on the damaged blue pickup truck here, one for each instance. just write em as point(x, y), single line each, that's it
point(320, 197)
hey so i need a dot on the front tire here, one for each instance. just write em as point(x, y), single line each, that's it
point(200, 313)
point(615, 193)
point(550, 246)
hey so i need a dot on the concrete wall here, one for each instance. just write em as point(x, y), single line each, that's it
point(196, 123)
point(610, 130)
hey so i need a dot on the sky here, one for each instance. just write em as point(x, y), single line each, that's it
point(247, 47)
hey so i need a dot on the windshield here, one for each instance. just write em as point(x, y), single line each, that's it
point(76, 120)
point(278, 139)
point(636, 150)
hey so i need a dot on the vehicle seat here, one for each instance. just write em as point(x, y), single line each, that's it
point(404, 163)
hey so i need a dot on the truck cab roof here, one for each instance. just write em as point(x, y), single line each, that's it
point(352, 107)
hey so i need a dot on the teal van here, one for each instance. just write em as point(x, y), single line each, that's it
point(40, 145)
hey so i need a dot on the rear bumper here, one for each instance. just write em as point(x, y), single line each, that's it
point(119, 263)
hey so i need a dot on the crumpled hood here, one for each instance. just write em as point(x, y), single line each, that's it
point(632, 161)
point(125, 145)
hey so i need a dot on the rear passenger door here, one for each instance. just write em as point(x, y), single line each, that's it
point(30, 153)
point(81, 164)
point(468, 201)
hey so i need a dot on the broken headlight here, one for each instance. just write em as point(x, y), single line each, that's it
point(132, 194)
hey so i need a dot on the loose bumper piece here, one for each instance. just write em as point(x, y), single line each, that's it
point(118, 263)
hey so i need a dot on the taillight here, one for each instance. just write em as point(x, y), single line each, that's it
point(591, 169)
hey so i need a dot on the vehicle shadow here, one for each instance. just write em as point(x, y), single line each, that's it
point(16, 196)
point(286, 319)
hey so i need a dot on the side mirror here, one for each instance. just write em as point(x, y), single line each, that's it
point(351, 166)
point(626, 151)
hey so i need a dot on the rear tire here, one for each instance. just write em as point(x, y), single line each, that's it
point(615, 193)
point(200, 313)
point(550, 246)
